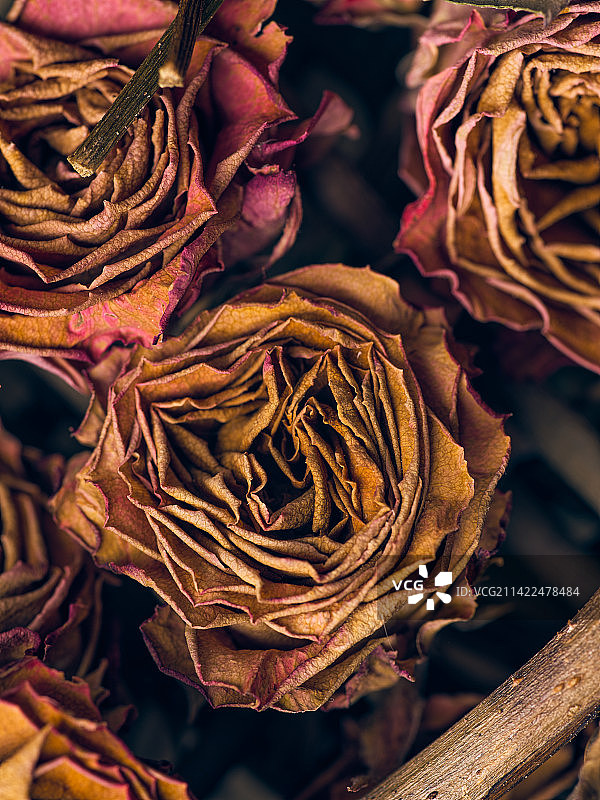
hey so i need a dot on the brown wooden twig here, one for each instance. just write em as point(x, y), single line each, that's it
point(514, 730)
point(136, 94)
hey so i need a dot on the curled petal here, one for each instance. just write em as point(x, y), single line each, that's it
point(507, 122)
point(49, 589)
point(54, 743)
point(89, 261)
point(275, 473)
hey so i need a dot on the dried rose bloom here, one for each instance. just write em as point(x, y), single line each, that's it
point(273, 470)
point(371, 13)
point(54, 743)
point(85, 261)
point(510, 133)
point(49, 588)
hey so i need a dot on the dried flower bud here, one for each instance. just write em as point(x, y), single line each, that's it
point(90, 260)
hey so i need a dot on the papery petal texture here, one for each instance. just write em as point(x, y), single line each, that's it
point(114, 256)
point(50, 591)
point(509, 132)
point(54, 743)
point(82, 20)
point(272, 472)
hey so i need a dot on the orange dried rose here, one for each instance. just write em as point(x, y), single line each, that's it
point(509, 128)
point(54, 743)
point(272, 471)
point(202, 179)
point(49, 587)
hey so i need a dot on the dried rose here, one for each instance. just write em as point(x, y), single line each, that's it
point(49, 588)
point(368, 12)
point(509, 134)
point(54, 743)
point(273, 470)
point(86, 261)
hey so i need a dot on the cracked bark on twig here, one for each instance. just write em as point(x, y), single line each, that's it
point(514, 730)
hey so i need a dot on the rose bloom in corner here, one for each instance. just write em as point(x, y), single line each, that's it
point(508, 122)
point(201, 180)
point(272, 471)
point(55, 743)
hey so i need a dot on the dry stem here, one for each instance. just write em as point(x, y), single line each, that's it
point(135, 95)
point(514, 730)
point(185, 30)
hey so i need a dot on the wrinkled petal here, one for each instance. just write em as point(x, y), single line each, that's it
point(54, 743)
point(83, 19)
point(87, 262)
point(508, 121)
point(49, 589)
point(273, 471)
